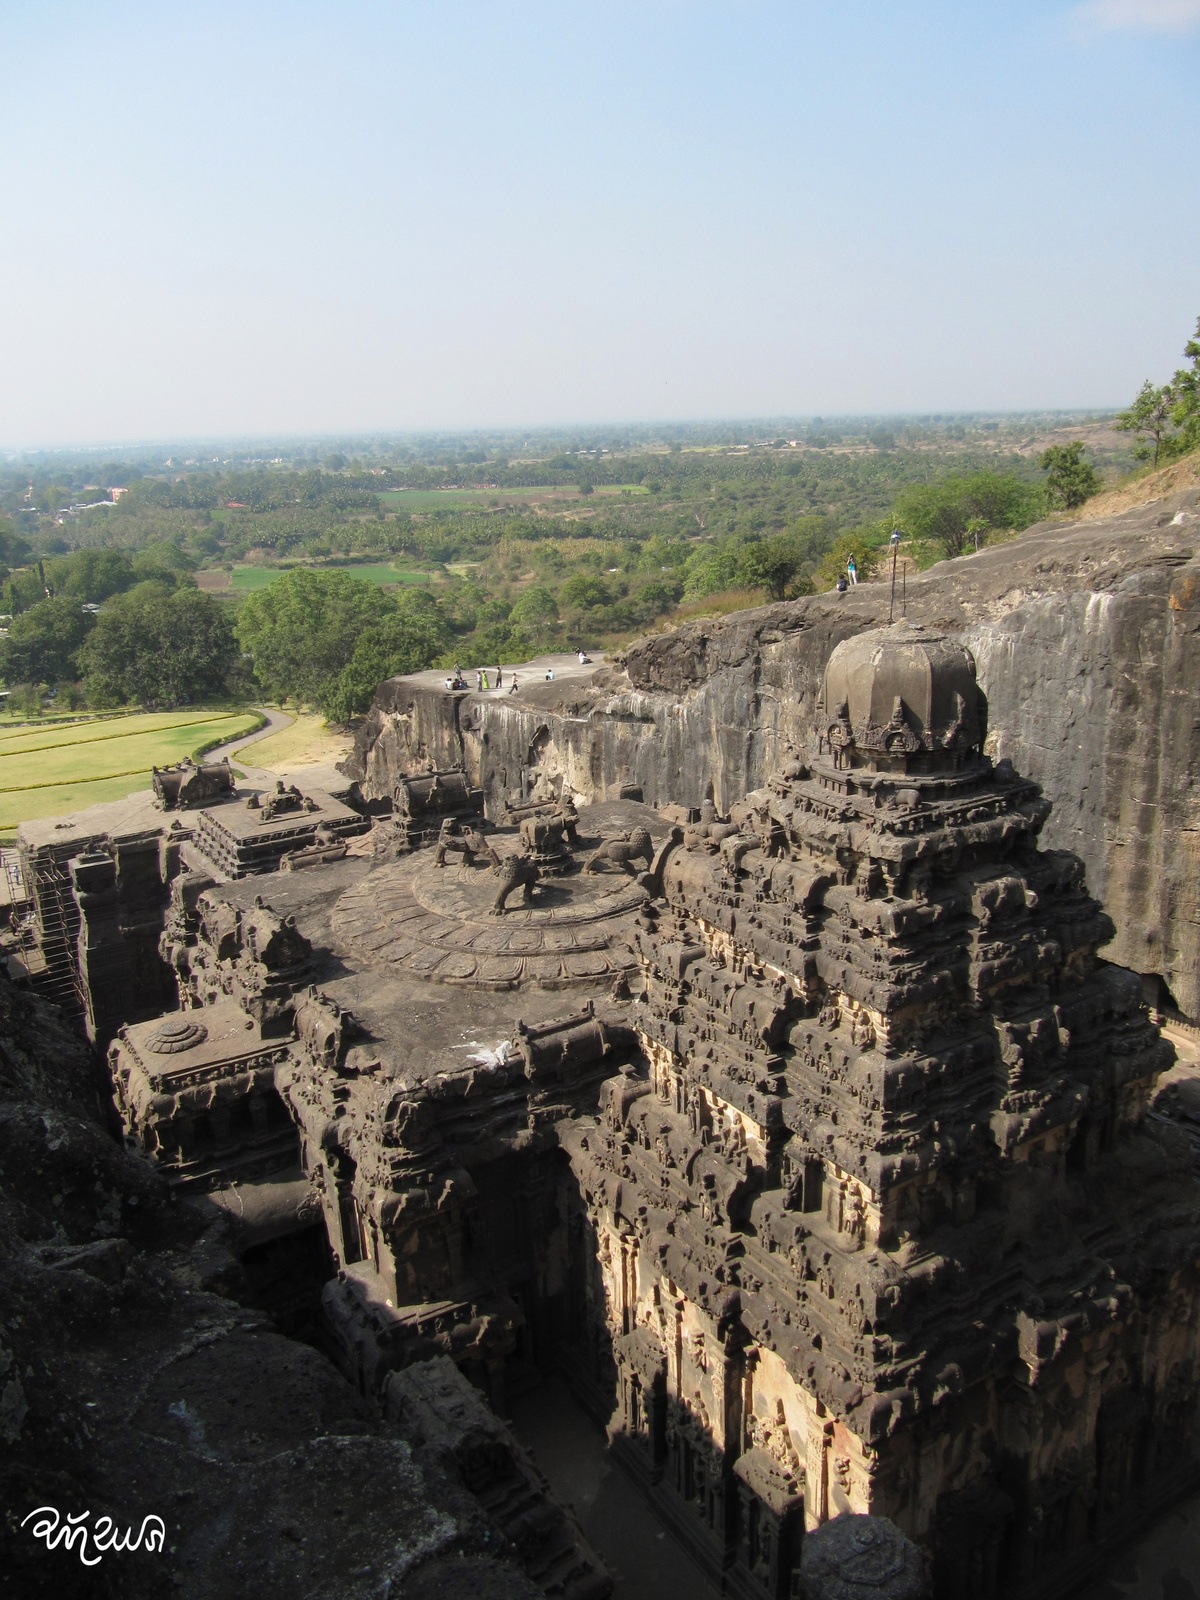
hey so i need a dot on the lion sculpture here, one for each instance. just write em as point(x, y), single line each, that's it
point(623, 853)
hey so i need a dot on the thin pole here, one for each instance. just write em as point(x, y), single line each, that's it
point(892, 601)
point(904, 590)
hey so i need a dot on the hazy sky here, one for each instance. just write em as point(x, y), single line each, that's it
point(255, 218)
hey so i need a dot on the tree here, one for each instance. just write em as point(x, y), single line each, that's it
point(653, 598)
point(26, 700)
point(1150, 416)
point(14, 550)
point(943, 512)
point(91, 575)
point(1070, 479)
point(585, 590)
point(43, 642)
point(159, 647)
point(1185, 391)
point(768, 564)
point(165, 563)
point(710, 571)
point(535, 610)
point(407, 641)
point(303, 628)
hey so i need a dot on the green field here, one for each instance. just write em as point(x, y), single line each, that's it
point(48, 771)
point(260, 577)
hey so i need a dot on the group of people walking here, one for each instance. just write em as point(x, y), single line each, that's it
point(484, 676)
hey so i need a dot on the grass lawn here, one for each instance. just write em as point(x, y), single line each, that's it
point(306, 741)
point(260, 577)
point(382, 574)
point(48, 771)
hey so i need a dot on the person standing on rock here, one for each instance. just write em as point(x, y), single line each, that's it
point(512, 688)
point(499, 679)
point(486, 685)
point(852, 571)
point(478, 681)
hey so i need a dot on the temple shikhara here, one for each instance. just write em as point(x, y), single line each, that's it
point(809, 1139)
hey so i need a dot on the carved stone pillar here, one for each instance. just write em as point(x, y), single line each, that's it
point(816, 1470)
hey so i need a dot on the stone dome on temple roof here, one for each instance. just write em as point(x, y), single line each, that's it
point(903, 691)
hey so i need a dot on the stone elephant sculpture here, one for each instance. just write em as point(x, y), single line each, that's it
point(514, 872)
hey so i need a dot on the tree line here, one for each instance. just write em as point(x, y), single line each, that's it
point(108, 625)
point(111, 628)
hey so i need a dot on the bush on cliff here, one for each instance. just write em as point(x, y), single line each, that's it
point(1070, 480)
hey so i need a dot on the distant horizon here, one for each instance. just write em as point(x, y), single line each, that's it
point(13, 455)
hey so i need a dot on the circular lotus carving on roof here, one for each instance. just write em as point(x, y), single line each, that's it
point(176, 1035)
point(422, 921)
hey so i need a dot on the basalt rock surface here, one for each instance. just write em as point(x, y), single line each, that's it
point(1087, 644)
point(136, 1382)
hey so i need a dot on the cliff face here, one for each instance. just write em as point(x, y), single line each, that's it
point(1087, 643)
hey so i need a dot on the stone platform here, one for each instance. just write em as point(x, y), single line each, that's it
point(437, 924)
point(378, 947)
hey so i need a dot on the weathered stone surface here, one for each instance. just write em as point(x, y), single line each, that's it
point(830, 1183)
point(133, 1385)
point(448, 1420)
point(860, 1558)
point(1086, 637)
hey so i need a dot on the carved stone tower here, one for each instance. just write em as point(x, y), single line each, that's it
point(882, 1226)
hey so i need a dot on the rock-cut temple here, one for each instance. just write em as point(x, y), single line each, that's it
point(809, 1141)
